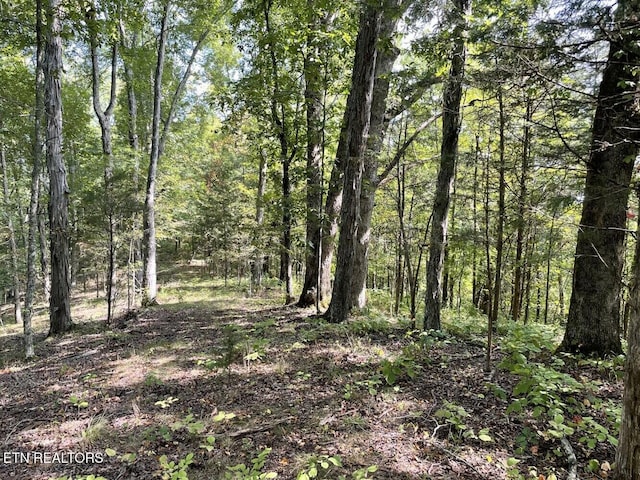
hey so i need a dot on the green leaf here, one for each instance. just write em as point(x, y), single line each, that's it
point(110, 452)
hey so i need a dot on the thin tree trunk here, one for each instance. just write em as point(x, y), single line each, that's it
point(279, 121)
point(548, 272)
point(135, 274)
point(59, 305)
point(313, 95)
point(15, 272)
point(34, 197)
point(45, 264)
point(449, 151)
point(359, 114)
point(105, 120)
point(516, 302)
point(150, 285)
point(474, 257)
point(497, 286)
point(258, 255)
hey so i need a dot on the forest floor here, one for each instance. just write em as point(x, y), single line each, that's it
point(211, 379)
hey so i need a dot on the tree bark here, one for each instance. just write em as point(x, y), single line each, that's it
point(258, 256)
point(497, 285)
point(628, 451)
point(593, 324)
point(13, 246)
point(387, 56)
point(313, 95)
point(448, 154)
point(359, 113)
point(59, 304)
point(150, 285)
point(34, 197)
point(518, 277)
point(105, 117)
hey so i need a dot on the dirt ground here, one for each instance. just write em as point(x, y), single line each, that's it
point(222, 376)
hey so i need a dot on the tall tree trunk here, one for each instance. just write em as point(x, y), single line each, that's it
point(105, 120)
point(449, 151)
point(34, 197)
point(59, 305)
point(258, 256)
point(516, 301)
point(628, 451)
point(150, 285)
point(332, 208)
point(313, 95)
point(280, 125)
point(474, 256)
point(45, 264)
point(387, 56)
point(135, 274)
point(497, 285)
point(15, 273)
point(359, 113)
point(593, 324)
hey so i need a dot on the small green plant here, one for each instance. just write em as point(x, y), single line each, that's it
point(455, 415)
point(319, 466)
point(208, 443)
point(193, 426)
point(175, 471)
point(254, 472)
point(364, 472)
point(167, 402)
point(78, 402)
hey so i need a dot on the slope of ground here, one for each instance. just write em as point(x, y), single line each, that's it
point(216, 379)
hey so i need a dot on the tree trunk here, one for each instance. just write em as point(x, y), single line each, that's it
point(313, 95)
point(150, 285)
point(280, 126)
point(59, 304)
point(448, 154)
point(377, 130)
point(105, 120)
point(135, 274)
point(15, 273)
point(516, 301)
point(593, 324)
point(359, 113)
point(628, 451)
point(258, 255)
point(497, 286)
point(34, 198)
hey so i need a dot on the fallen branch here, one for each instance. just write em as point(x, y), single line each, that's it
point(571, 459)
point(258, 428)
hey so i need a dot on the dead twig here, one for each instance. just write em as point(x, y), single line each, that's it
point(258, 428)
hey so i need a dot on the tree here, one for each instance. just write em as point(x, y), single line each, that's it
point(159, 131)
point(628, 451)
point(358, 113)
point(15, 273)
point(34, 197)
point(452, 97)
point(105, 120)
point(594, 310)
point(313, 96)
point(59, 304)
